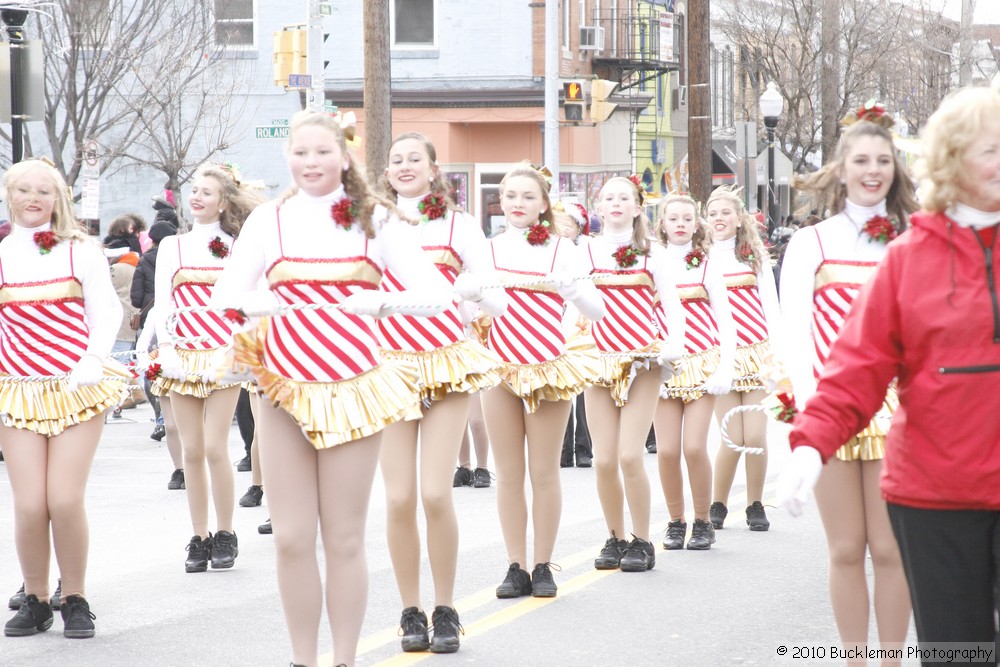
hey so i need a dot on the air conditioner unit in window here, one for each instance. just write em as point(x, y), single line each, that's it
point(591, 38)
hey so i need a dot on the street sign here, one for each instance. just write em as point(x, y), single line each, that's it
point(90, 202)
point(278, 129)
point(90, 167)
point(300, 81)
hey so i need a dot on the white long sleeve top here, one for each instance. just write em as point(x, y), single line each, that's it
point(511, 251)
point(468, 240)
point(21, 262)
point(723, 255)
point(843, 240)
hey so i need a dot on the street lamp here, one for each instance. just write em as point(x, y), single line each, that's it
point(771, 106)
point(13, 20)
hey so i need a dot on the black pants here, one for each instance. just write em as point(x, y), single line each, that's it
point(580, 436)
point(951, 559)
point(244, 419)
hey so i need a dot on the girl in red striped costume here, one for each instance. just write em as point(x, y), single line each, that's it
point(684, 412)
point(453, 368)
point(631, 274)
point(58, 316)
point(187, 267)
point(740, 254)
point(867, 189)
point(540, 377)
point(330, 394)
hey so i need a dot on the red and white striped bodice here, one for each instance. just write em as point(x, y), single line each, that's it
point(421, 334)
point(628, 299)
point(701, 330)
point(746, 307)
point(42, 325)
point(530, 332)
point(192, 286)
point(838, 283)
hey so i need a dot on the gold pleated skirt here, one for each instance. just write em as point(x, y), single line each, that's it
point(334, 413)
point(560, 379)
point(463, 367)
point(618, 370)
point(690, 374)
point(198, 364)
point(869, 444)
point(48, 407)
point(749, 361)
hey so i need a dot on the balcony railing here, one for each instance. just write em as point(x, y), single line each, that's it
point(640, 34)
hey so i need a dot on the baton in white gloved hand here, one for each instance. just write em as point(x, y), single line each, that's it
point(798, 478)
point(88, 372)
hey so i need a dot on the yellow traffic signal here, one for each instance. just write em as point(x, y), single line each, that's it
point(573, 100)
point(600, 91)
point(289, 55)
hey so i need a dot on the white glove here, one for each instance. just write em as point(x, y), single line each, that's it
point(415, 304)
point(564, 283)
point(669, 353)
point(469, 287)
point(170, 364)
point(365, 302)
point(88, 372)
point(720, 382)
point(141, 361)
point(798, 478)
point(259, 304)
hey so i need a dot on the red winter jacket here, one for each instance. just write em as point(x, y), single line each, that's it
point(930, 317)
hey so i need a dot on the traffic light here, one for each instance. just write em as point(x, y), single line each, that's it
point(289, 55)
point(600, 91)
point(573, 100)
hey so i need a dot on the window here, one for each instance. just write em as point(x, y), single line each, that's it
point(234, 24)
point(413, 23)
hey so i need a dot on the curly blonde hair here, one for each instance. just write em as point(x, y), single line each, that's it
point(700, 239)
point(439, 186)
point(561, 224)
point(64, 223)
point(239, 199)
point(957, 124)
point(747, 234)
point(640, 223)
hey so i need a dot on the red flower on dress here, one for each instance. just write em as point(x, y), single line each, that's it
point(694, 258)
point(786, 411)
point(538, 233)
point(432, 207)
point(745, 253)
point(153, 372)
point(880, 228)
point(46, 241)
point(218, 248)
point(344, 212)
point(627, 256)
point(234, 315)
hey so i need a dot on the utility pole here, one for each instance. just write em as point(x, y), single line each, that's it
point(965, 45)
point(699, 102)
point(316, 95)
point(830, 100)
point(14, 20)
point(378, 82)
point(551, 133)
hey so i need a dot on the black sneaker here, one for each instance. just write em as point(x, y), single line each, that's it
point(481, 478)
point(463, 477)
point(17, 599)
point(264, 528)
point(56, 600)
point(717, 513)
point(756, 518)
point(516, 584)
point(611, 554)
point(702, 535)
point(244, 464)
point(225, 549)
point(639, 556)
point(584, 461)
point(252, 497)
point(446, 629)
point(78, 621)
point(676, 530)
point(32, 617)
point(542, 584)
point(413, 630)
point(158, 432)
point(176, 482)
point(199, 551)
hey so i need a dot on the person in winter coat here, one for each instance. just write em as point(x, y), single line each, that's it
point(930, 317)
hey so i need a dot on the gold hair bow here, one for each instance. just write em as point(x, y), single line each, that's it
point(545, 173)
point(871, 111)
point(348, 123)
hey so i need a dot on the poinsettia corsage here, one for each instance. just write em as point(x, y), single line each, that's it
point(880, 229)
point(627, 256)
point(218, 248)
point(694, 259)
point(153, 371)
point(45, 241)
point(538, 233)
point(432, 207)
point(344, 212)
point(235, 316)
point(745, 254)
point(784, 410)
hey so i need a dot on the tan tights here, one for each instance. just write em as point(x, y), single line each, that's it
point(203, 425)
point(509, 426)
point(256, 477)
point(477, 433)
point(854, 517)
point(173, 438)
point(748, 429)
point(679, 425)
point(331, 487)
point(48, 478)
point(619, 437)
point(440, 434)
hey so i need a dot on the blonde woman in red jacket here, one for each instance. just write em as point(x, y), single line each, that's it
point(930, 316)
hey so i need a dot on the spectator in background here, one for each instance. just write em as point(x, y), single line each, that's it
point(166, 209)
point(122, 233)
point(122, 270)
point(4, 229)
